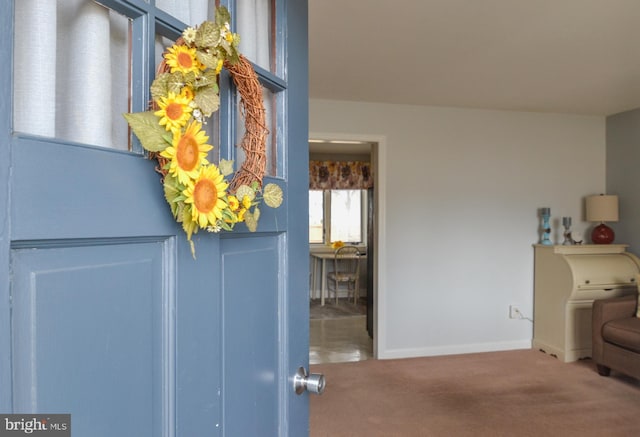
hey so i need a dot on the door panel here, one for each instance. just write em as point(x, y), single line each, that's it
point(88, 326)
point(63, 191)
point(251, 326)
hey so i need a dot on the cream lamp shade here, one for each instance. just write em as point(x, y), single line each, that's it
point(602, 208)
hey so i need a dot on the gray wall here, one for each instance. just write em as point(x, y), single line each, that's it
point(458, 196)
point(623, 175)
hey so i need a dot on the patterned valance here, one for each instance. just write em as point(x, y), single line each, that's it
point(334, 175)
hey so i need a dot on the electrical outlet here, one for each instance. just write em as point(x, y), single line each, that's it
point(514, 312)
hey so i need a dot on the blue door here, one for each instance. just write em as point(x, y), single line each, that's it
point(105, 314)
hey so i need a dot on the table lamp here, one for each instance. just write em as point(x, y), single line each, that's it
point(602, 208)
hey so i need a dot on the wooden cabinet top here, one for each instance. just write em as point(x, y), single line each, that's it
point(583, 249)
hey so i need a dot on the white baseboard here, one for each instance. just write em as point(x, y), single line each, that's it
point(453, 349)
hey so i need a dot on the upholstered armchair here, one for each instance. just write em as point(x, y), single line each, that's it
point(616, 336)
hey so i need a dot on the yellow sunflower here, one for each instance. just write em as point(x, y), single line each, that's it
point(234, 204)
point(206, 195)
point(174, 111)
point(337, 245)
point(187, 92)
point(182, 58)
point(219, 66)
point(187, 152)
point(246, 202)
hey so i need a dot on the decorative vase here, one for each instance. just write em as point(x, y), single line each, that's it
point(602, 234)
point(545, 213)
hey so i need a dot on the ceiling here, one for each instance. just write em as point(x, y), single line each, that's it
point(563, 56)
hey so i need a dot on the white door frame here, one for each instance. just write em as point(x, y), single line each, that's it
point(378, 159)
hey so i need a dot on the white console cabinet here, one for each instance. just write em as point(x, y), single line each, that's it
point(566, 282)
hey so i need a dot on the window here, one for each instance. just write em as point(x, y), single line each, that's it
point(79, 87)
point(316, 216)
point(342, 210)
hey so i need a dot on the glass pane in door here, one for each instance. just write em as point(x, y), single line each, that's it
point(269, 100)
point(72, 72)
point(255, 24)
point(190, 12)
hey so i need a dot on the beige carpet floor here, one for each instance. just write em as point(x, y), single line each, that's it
point(513, 393)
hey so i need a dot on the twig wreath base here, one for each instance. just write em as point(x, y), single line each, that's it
point(256, 132)
point(252, 108)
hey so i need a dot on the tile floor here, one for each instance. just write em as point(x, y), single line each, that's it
point(339, 340)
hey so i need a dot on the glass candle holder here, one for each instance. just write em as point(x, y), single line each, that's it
point(566, 223)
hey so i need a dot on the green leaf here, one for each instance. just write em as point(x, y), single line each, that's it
point(208, 100)
point(222, 16)
point(171, 189)
point(272, 195)
point(251, 220)
point(226, 226)
point(232, 53)
point(207, 35)
point(233, 59)
point(190, 77)
point(210, 60)
point(159, 86)
point(208, 79)
point(175, 82)
point(225, 167)
point(245, 190)
point(145, 126)
point(179, 212)
point(227, 214)
point(173, 194)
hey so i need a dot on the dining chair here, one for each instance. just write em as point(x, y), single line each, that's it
point(346, 270)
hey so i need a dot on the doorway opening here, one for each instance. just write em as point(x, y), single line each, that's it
point(342, 328)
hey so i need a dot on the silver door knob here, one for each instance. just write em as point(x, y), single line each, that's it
point(313, 383)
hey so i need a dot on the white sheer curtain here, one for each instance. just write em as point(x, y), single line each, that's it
point(71, 72)
point(191, 12)
point(253, 22)
point(35, 67)
point(84, 96)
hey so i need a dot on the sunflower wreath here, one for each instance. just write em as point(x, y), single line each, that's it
point(185, 93)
